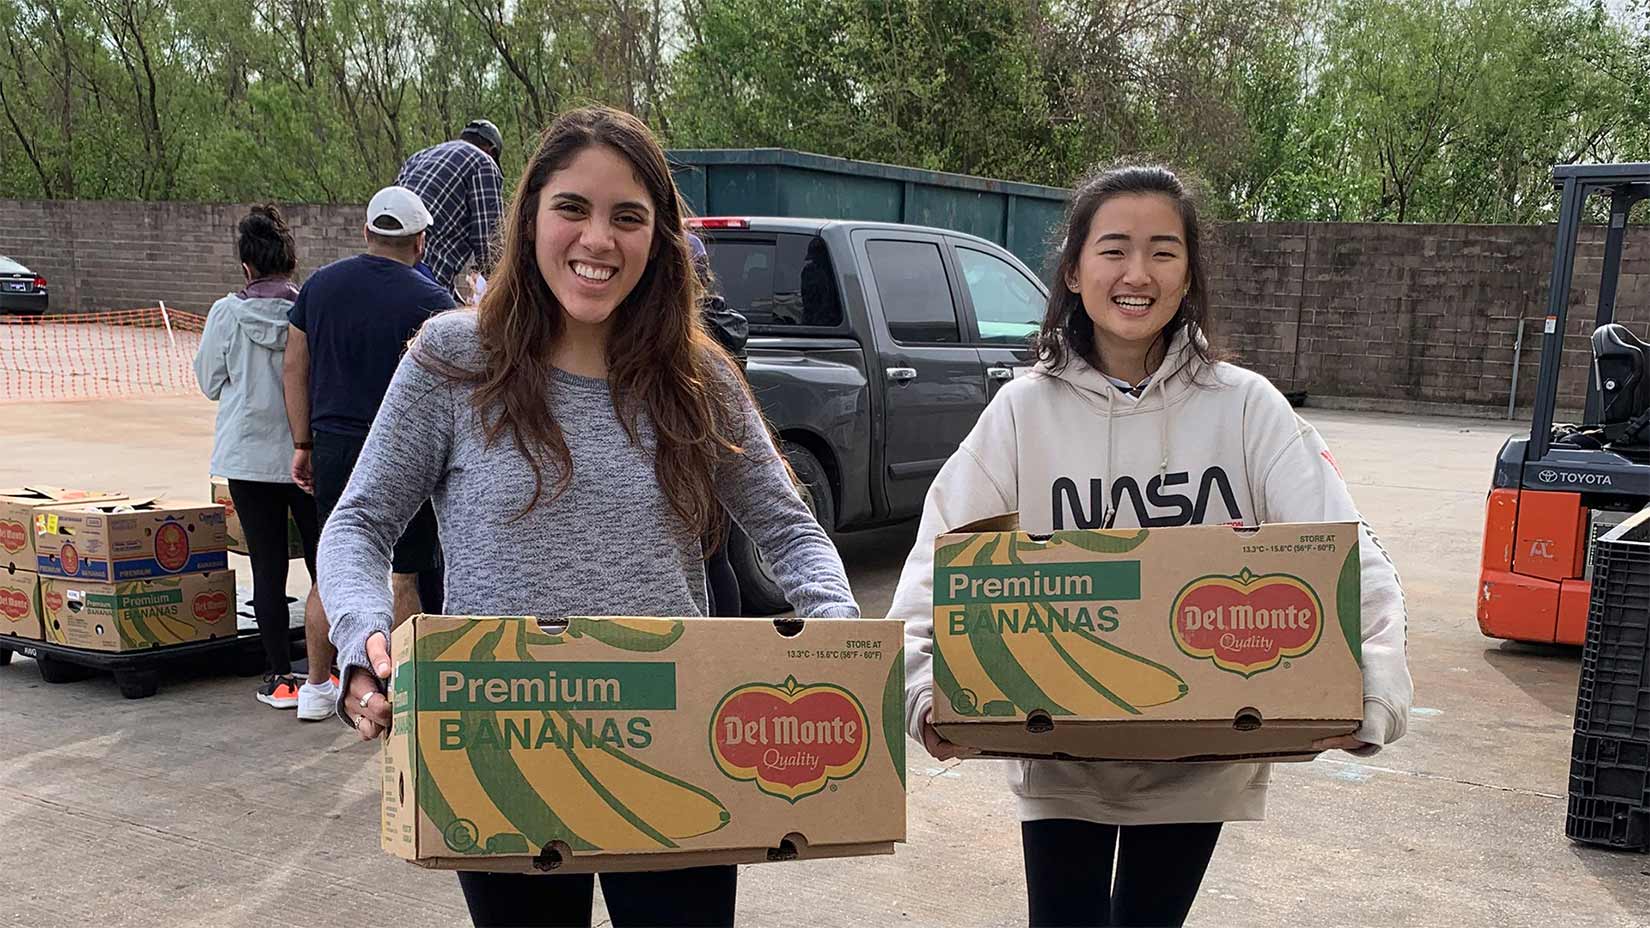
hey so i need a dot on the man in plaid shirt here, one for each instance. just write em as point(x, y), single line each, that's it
point(460, 184)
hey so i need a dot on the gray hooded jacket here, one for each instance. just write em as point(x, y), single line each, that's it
point(239, 365)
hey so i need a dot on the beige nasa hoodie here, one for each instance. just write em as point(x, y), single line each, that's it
point(1224, 446)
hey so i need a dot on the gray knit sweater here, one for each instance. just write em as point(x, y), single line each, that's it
point(609, 545)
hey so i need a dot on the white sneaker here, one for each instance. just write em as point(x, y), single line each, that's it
point(316, 703)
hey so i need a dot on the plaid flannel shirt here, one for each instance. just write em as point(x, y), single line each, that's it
point(462, 189)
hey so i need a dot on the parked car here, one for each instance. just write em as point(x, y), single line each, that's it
point(874, 348)
point(21, 290)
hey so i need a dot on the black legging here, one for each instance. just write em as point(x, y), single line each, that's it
point(701, 897)
point(1069, 867)
point(721, 583)
point(263, 509)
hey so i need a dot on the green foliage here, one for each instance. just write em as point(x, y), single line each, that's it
point(1402, 110)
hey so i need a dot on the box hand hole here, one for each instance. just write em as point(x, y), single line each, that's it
point(1247, 719)
point(789, 848)
point(788, 628)
point(1038, 722)
point(553, 856)
point(552, 626)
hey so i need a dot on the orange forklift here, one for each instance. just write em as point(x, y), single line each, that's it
point(1559, 489)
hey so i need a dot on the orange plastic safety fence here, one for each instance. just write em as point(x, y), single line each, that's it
point(137, 352)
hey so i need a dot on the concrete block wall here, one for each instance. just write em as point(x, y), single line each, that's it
point(1400, 315)
point(105, 255)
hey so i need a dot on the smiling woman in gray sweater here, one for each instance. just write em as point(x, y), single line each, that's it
point(579, 433)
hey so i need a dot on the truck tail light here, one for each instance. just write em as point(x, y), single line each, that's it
point(718, 222)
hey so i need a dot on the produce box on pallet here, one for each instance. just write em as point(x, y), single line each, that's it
point(139, 614)
point(1191, 643)
point(19, 603)
point(17, 509)
point(115, 541)
point(643, 743)
point(236, 536)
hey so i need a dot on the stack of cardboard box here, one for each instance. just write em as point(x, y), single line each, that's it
point(128, 575)
point(20, 614)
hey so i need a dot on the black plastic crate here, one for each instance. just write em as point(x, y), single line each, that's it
point(1609, 792)
point(1613, 699)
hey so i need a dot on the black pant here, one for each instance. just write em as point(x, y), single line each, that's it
point(417, 551)
point(1069, 872)
point(263, 509)
point(721, 583)
point(701, 897)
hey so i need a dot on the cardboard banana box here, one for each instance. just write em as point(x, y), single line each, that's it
point(235, 536)
point(138, 614)
point(1190, 643)
point(17, 508)
point(130, 540)
point(19, 603)
point(643, 743)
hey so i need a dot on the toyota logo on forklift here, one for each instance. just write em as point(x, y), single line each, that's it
point(1592, 480)
point(1540, 518)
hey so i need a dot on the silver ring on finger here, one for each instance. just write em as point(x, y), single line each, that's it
point(366, 701)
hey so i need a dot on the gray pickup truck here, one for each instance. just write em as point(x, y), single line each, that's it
point(874, 347)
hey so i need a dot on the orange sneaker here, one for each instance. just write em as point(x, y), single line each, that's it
point(279, 691)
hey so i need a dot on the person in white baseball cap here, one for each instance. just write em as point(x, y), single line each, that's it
point(348, 328)
point(396, 212)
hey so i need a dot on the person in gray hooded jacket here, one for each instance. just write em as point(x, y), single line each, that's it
point(239, 365)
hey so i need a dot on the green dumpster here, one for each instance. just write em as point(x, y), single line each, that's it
point(779, 182)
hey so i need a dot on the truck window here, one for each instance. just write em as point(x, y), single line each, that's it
point(915, 295)
point(777, 281)
point(1007, 305)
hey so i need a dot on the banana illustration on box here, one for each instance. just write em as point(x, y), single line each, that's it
point(549, 775)
point(1035, 614)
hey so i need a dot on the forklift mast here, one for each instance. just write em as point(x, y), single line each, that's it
point(1625, 185)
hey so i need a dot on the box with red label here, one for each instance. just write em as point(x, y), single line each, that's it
point(1189, 643)
point(114, 541)
point(139, 614)
point(236, 536)
point(17, 508)
point(585, 745)
point(19, 603)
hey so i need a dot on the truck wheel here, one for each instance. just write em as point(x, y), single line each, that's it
point(757, 587)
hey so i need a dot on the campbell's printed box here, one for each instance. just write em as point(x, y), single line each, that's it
point(19, 603)
point(139, 614)
point(114, 541)
point(1190, 643)
point(17, 508)
point(643, 743)
point(235, 536)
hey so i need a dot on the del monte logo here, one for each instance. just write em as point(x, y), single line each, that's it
point(171, 547)
point(210, 607)
point(12, 536)
point(1247, 624)
point(790, 739)
point(14, 604)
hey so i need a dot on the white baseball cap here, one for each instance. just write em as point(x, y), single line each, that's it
point(397, 211)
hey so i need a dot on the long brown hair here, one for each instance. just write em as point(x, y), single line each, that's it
point(1067, 329)
point(661, 363)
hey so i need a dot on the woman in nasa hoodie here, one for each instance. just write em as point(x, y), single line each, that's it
point(1128, 395)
